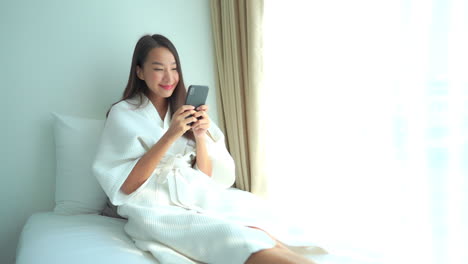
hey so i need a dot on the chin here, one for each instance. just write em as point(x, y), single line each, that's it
point(162, 93)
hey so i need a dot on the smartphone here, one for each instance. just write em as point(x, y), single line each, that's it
point(196, 96)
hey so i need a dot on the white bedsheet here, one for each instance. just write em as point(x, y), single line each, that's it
point(53, 239)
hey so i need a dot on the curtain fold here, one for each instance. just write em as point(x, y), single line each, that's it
point(237, 33)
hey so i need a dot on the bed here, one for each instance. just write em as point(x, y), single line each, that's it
point(77, 230)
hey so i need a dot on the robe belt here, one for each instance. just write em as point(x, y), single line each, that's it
point(171, 167)
point(170, 164)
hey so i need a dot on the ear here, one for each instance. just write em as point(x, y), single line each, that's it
point(139, 73)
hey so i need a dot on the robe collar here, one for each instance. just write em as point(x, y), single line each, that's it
point(154, 115)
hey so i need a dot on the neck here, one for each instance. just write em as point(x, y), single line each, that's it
point(161, 105)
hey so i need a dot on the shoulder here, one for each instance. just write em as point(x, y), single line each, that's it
point(130, 107)
point(132, 104)
point(128, 117)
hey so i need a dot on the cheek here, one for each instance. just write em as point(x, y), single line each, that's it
point(154, 75)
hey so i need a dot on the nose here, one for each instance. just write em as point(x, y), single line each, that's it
point(169, 76)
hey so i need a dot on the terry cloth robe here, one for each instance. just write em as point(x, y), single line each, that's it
point(180, 214)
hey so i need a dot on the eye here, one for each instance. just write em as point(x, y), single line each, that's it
point(158, 69)
point(174, 69)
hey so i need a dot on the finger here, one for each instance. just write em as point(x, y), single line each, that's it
point(199, 114)
point(201, 126)
point(184, 108)
point(203, 121)
point(188, 113)
point(197, 123)
point(203, 115)
point(202, 108)
point(191, 120)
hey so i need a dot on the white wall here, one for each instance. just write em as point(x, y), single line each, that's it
point(74, 57)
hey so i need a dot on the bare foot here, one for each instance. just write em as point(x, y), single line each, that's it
point(280, 254)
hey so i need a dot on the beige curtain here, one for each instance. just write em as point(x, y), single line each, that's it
point(237, 32)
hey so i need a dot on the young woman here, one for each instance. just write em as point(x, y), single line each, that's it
point(171, 179)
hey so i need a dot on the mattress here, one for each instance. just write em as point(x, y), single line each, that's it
point(89, 238)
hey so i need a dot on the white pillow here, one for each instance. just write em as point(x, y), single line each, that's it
point(77, 191)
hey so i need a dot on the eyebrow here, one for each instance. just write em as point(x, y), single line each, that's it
point(158, 63)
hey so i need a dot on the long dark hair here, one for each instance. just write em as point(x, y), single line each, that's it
point(136, 87)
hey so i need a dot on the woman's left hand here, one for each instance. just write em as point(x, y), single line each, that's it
point(200, 127)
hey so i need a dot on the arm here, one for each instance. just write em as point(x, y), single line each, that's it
point(200, 127)
point(148, 162)
point(203, 160)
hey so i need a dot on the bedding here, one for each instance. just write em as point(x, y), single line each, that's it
point(87, 238)
point(76, 189)
point(75, 232)
point(90, 238)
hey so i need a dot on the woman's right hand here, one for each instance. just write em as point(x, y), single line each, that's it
point(181, 120)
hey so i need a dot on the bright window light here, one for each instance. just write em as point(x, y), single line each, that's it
point(365, 109)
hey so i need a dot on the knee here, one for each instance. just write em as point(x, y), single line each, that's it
point(268, 255)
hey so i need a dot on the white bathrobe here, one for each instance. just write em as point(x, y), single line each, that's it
point(180, 214)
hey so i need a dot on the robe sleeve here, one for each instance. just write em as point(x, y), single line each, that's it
point(119, 150)
point(223, 167)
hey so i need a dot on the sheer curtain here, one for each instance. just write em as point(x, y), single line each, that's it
point(367, 120)
point(237, 34)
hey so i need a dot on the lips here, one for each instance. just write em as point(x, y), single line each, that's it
point(167, 87)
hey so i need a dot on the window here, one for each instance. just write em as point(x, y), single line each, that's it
point(367, 118)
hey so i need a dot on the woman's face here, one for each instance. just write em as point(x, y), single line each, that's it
point(159, 72)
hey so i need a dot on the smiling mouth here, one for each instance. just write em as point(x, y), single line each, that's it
point(167, 87)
